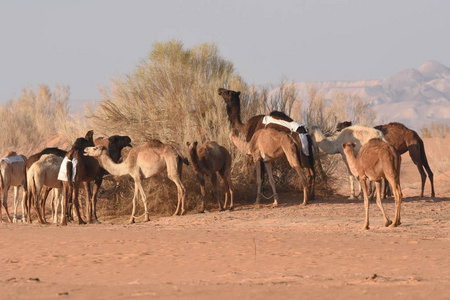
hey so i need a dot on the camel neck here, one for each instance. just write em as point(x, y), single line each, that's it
point(116, 169)
point(351, 160)
point(326, 145)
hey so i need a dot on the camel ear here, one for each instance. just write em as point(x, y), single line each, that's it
point(195, 144)
point(343, 145)
point(238, 93)
point(188, 144)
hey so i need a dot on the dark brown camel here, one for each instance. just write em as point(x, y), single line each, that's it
point(246, 131)
point(211, 159)
point(87, 170)
point(406, 140)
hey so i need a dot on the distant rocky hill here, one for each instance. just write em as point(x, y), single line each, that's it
point(413, 97)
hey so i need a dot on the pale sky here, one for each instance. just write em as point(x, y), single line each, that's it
point(83, 44)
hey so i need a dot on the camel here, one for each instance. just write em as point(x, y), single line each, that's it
point(241, 135)
point(87, 170)
point(357, 134)
point(12, 173)
point(266, 146)
point(46, 189)
point(211, 159)
point(376, 160)
point(406, 140)
point(44, 173)
point(142, 162)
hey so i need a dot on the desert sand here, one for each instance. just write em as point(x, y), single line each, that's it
point(288, 252)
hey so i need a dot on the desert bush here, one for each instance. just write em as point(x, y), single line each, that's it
point(436, 130)
point(27, 122)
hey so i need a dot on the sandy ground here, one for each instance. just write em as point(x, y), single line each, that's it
point(317, 251)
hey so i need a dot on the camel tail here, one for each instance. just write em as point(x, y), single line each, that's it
point(180, 161)
point(1, 181)
point(311, 151)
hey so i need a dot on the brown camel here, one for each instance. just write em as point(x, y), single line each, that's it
point(44, 173)
point(12, 173)
point(87, 170)
point(376, 160)
point(211, 159)
point(405, 140)
point(266, 146)
point(241, 134)
point(357, 134)
point(142, 162)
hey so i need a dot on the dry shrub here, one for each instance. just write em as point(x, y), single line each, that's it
point(31, 120)
point(172, 96)
point(436, 130)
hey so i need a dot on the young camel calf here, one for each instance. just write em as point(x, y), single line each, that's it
point(376, 160)
point(210, 159)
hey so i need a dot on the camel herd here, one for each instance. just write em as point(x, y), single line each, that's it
point(370, 154)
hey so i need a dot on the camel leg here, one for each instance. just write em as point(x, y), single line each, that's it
point(216, 190)
point(398, 201)
point(201, 180)
point(45, 191)
point(268, 166)
point(97, 183)
point(387, 222)
point(55, 205)
point(24, 197)
point(89, 205)
point(133, 212)
point(75, 200)
point(36, 206)
point(65, 204)
point(5, 203)
point(366, 202)
point(181, 191)
point(144, 200)
point(228, 190)
point(258, 181)
point(419, 159)
point(294, 162)
point(16, 203)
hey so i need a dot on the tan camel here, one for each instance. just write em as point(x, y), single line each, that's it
point(241, 135)
point(211, 159)
point(357, 134)
point(45, 190)
point(376, 160)
point(12, 173)
point(142, 162)
point(44, 173)
point(266, 146)
point(405, 140)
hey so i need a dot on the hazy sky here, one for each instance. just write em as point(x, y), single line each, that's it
point(83, 44)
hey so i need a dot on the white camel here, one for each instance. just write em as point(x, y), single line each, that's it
point(357, 134)
point(12, 173)
point(44, 172)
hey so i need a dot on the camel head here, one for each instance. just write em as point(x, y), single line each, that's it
point(192, 148)
point(231, 97)
point(349, 148)
point(90, 136)
point(94, 151)
point(115, 145)
point(340, 126)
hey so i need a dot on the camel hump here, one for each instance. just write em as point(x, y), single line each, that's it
point(280, 116)
point(11, 153)
point(154, 143)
